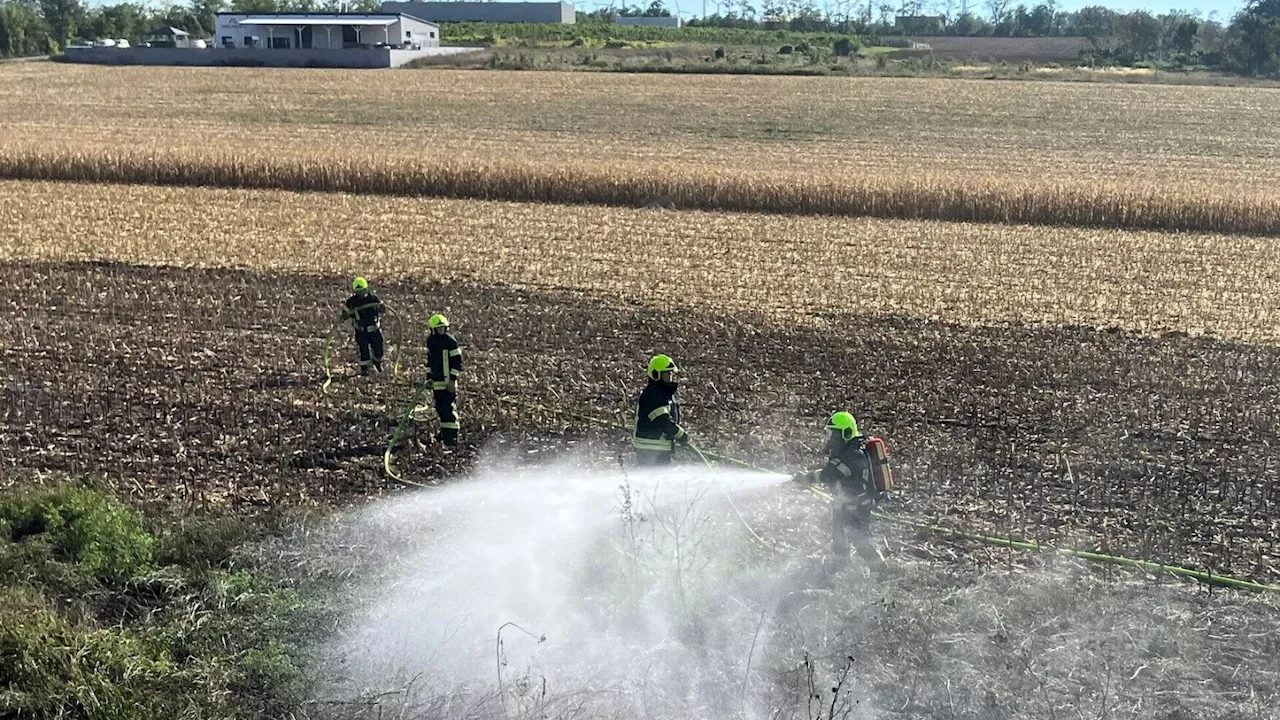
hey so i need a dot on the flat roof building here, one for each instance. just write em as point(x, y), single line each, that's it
point(331, 40)
point(505, 12)
point(306, 31)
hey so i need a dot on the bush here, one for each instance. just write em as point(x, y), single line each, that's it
point(786, 50)
point(102, 618)
point(82, 527)
point(844, 47)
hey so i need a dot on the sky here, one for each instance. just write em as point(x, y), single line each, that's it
point(688, 8)
point(1224, 8)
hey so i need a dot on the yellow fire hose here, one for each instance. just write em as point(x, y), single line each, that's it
point(396, 347)
point(1030, 545)
point(398, 434)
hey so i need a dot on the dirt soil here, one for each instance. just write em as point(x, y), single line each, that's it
point(203, 387)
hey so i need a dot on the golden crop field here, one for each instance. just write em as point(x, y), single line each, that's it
point(1210, 139)
point(791, 266)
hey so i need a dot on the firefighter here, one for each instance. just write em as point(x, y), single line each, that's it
point(444, 359)
point(848, 472)
point(364, 309)
point(657, 428)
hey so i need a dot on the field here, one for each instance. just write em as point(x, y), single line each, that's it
point(744, 130)
point(1079, 379)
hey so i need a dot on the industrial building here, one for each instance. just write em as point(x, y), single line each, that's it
point(342, 40)
point(306, 31)
point(502, 12)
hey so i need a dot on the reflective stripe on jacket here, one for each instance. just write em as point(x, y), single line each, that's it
point(657, 425)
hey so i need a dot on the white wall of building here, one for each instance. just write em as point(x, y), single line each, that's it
point(404, 31)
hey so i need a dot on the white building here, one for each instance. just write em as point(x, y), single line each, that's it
point(307, 31)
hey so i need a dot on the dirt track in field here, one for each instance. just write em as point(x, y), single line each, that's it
point(203, 386)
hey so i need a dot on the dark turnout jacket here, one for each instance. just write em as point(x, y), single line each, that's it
point(444, 359)
point(658, 418)
point(848, 472)
point(364, 311)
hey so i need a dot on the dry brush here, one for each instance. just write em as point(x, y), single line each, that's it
point(924, 198)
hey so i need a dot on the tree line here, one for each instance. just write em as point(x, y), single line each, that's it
point(41, 27)
point(1248, 43)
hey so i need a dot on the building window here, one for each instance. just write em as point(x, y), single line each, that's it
point(432, 34)
point(279, 43)
point(228, 41)
point(248, 41)
point(407, 35)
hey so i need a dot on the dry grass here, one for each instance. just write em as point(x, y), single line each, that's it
point(1161, 157)
point(918, 197)
point(796, 267)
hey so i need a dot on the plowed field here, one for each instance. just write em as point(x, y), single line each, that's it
point(204, 386)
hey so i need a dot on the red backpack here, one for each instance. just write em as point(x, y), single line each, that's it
point(881, 473)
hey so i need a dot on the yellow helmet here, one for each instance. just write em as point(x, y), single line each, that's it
point(659, 364)
point(438, 321)
point(359, 284)
point(845, 423)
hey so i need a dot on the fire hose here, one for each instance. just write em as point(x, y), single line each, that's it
point(397, 346)
point(1029, 545)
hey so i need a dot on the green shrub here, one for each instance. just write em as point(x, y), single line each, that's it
point(786, 50)
point(844, 47)
point(81, 526)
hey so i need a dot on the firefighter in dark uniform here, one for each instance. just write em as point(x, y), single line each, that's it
point(657, 428)
point(444, 359)
point(848, 473)
point(364, 309)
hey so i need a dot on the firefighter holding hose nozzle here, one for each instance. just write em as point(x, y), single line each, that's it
point(858, 473)
point(657, 427)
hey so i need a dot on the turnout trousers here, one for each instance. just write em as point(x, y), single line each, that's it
point(653, 458)
point(369, 343)
point(447, 408)
point(851, 525)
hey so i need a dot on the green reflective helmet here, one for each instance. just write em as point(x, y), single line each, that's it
point(845, 423)
point(438, 321)
point(659, 364)
point(359, 284)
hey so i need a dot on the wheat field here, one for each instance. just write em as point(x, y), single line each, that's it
point(788, 266)
point(1047, 153)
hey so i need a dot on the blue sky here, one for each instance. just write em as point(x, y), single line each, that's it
point(1224, 8)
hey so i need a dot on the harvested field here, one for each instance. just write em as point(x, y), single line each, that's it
point(751, 134)
point(203, 386)
point(796, 268)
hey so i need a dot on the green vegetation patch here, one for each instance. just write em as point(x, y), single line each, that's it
point(589, 33)
point(105, 613)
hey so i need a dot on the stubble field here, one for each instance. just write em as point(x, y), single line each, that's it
point(1104, 388)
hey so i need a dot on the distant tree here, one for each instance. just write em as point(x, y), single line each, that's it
point(1043, 20)
point(1255, 43)
point(205, 12)
point(1182, 34)
point(1265, 9)
point(969, 25)
point(656, 9)
point(255, 6)
point(1096, 24)
point(1139, 35)
point(998, 9)
point(63, 18)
